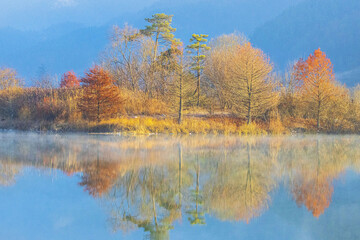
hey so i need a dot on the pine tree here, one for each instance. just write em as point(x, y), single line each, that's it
point(181, 86)
point(161, 30)
point(198, 45)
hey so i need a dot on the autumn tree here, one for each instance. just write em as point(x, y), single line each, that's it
point(125, 57)
point(317, 82)
point(251, 88)
point(196, 49)
point(101, 98)
point(180, 89)
point(216, 68)
point(10, 91)
point(8, 78)
point(288, 101)
point(69, 80)
point(355, 105)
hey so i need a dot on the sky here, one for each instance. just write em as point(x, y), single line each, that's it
point(39, 14)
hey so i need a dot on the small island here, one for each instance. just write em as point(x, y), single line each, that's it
point(148, 81)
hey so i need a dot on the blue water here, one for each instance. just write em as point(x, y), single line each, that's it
point(42, 200)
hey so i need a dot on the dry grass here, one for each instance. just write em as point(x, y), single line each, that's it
point(149, 125)
point(143, 126)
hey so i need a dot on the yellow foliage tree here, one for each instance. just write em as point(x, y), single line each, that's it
point(251, 87)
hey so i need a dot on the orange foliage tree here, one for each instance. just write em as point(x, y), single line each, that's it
point(317, 82)
point(69, 80)
point(101, 98)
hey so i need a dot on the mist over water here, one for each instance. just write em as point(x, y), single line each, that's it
point(190, 187)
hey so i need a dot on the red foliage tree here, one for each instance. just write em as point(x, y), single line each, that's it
point(101, 98)
point(69, 80)
point(316, 79)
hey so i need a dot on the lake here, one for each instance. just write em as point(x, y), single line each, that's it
point(78, 186)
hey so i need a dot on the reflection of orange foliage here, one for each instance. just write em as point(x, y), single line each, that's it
point(315, 195)
point(99, 177)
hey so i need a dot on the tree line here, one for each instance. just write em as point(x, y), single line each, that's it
point(149, 72)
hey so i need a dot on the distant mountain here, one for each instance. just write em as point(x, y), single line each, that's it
point(67, 46)
point(332, 25)
point(214, 17)
point(58, 51)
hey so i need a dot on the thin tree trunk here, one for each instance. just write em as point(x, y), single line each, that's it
point(318, 116)
point(249, 111)
point(198, 77)
point(98, 112)
point(181, 93)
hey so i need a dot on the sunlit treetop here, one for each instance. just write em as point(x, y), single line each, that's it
point(316, 69)
point(69, 80)
point(198, 44)
point(160, 27)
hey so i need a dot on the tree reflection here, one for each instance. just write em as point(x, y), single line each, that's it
point(8, 173)
point(240, 186)
point(152, 183)
point(313, 185)
point(196, 211)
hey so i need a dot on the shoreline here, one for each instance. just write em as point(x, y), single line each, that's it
point(165, 126)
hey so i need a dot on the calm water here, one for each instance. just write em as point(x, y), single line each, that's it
point(197, 187)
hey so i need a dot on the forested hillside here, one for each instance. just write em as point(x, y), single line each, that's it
point(332, 25)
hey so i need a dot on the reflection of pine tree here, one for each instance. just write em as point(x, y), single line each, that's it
point(156, 232)
point(197, 213)
point(148, 201)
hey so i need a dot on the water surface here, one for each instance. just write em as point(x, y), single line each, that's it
point(194, 187)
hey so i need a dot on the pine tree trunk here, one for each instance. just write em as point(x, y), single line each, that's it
point(180, 93)
point(198, 87)
point(198, 76)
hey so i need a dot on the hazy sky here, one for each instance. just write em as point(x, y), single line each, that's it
point(35, 14)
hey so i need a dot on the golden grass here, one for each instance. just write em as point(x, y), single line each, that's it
point(149, 125)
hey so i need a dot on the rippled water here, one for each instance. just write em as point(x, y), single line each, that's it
point(195, 187)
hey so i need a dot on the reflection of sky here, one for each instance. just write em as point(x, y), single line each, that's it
point(54, 206)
